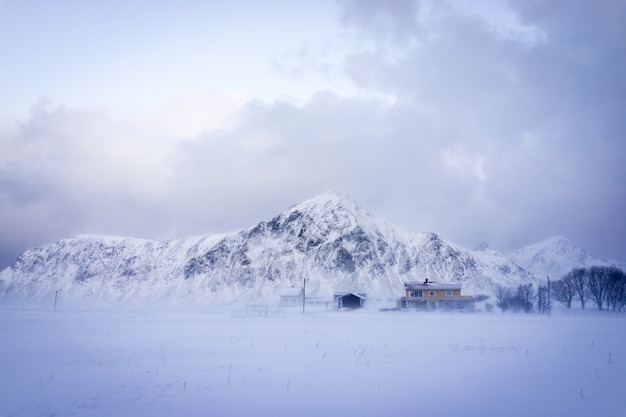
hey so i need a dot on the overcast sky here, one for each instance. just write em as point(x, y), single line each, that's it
point(502, 121)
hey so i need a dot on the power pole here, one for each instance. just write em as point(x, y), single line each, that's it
point(549, 302)
point(303, 293)
point(56, 293)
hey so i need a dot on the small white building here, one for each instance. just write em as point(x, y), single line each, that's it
point(291, 296)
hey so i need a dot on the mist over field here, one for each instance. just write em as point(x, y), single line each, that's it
point(276, 362)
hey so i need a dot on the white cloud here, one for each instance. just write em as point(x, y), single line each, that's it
point(449, 125)
point(190, 115)
point(466, 163)
point(503, 21)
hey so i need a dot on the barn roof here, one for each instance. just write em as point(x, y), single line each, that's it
point(362, 296)
point(433, 285)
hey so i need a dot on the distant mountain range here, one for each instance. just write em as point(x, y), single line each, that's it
point(328, 240)
point(555, 257)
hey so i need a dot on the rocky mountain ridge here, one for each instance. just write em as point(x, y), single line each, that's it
point(555, 257)
point(328, 240)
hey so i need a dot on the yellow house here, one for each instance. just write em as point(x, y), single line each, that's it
point(430, 295)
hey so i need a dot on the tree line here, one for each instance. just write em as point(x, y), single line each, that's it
point(603, 285)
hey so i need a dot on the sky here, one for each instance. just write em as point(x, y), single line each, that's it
point(499, 121)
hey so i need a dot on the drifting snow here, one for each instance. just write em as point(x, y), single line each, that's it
point(262, 361)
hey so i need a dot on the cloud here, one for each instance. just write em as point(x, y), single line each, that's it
point(189, 115)
point(393, 21)
point(500, 129)
point(281, 152)
point(305, 59)
point(467, 164)
point(538, 98)
point(82, 170)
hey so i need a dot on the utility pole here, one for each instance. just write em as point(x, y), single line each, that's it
point(56, 293)
point(303, 293)
point(549, 302)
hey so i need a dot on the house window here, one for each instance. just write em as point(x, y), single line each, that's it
point(448, 293)
point(431, 293)
point(416, 294)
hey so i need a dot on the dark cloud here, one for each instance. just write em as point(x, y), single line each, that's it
point(509, 135)
point(69, 171)
point(394, 21)
point(544, 118)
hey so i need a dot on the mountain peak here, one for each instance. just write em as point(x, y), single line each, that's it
point(482, 247)
point(331, 195)
point(553, 244)
point(557, 241)
point(332, 207)
point(330, 200)
point(553, 257)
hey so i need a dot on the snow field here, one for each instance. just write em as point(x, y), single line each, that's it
point(148, 363)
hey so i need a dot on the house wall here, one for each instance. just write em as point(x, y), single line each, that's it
point(438, 300)
point(466, 304)
point(439, 295)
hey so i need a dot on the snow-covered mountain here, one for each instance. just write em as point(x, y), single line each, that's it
point(328, 240)
point(338, 246)
point(555, 257)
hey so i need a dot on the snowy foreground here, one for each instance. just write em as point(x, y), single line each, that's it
point(366, 363)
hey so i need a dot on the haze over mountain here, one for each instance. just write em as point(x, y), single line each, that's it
point(555, 257)
point(328, 240)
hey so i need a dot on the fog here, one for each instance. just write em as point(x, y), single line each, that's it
point(269, 361)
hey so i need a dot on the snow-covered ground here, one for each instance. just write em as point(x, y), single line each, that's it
point(246, 361)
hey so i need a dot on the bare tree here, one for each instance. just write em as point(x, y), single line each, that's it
point(616, 298)
point(543, 301)
point(520, 299)
point(579, 279)
point(598, 284)
point(503, 297)
point(524, 298)
point(606, 286)
point(564, 290)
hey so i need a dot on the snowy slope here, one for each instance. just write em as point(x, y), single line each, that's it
point(329, 240)
point(555, 257)
point(338, 246)
point(102, 268)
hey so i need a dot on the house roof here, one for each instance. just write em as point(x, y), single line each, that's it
point(291, 292)
point(362, 296)
point(433, 286)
